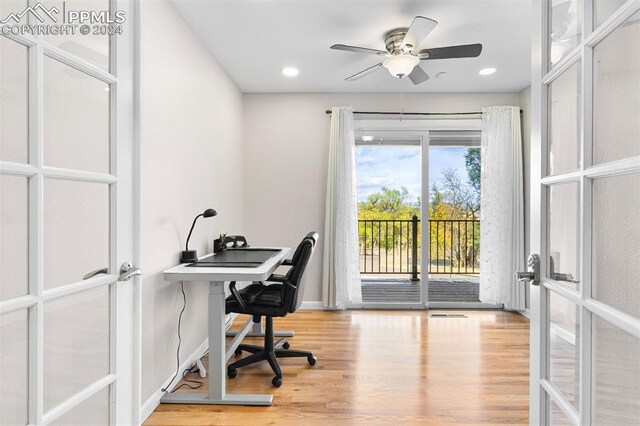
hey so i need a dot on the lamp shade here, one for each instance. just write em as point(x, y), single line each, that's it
point(400, 65)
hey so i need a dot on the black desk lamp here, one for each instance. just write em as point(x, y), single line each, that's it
point(189, 256)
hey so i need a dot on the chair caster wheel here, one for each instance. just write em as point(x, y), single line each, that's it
point(232, 373)
point(286, 345)
point(312, 360)
point(238, 352)
point(277, 381)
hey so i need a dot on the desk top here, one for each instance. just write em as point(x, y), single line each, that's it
point(193, 273)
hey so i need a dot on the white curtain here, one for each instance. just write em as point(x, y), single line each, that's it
point(502, 208)
point(341, 268)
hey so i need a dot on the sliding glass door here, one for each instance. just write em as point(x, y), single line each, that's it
point(418, 189)
point(454, 171)
point(389, 188)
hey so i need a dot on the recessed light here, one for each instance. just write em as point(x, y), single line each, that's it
point(290, 71)
point(367, 138)
point(487, 71)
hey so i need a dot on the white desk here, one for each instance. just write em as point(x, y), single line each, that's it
point(217, 355)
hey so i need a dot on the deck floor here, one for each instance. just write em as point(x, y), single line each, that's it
point(399, 290)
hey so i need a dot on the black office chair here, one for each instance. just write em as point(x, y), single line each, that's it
point(272, 300)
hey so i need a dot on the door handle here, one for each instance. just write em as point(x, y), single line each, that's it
point(532, 274)
point(96, 272)
point(127, 271)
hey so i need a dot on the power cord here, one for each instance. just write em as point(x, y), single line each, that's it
point(184, 306)
point(192, 384)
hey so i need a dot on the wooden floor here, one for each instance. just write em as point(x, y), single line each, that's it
point(385, 367)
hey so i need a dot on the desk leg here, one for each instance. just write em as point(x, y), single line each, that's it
point(217, 376)
point(257, 330)
point(217, 369)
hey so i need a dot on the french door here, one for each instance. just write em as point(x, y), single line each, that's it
point(585, 313)
point(66, 177)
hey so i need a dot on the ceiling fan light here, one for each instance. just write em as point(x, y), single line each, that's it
point(401, 65)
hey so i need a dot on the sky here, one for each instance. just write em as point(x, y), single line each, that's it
point(396, 166)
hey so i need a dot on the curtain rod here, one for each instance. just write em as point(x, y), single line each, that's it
point(412, 113)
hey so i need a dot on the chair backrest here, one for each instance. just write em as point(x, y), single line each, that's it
point(294, 292)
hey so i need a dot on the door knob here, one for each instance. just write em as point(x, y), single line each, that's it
point(127, 271)
point(95, 272)
point(533, 271)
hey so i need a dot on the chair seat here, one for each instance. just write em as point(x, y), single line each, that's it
point(257, 294)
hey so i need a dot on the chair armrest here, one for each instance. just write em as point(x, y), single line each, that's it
point(236, 294)
point(277, 278)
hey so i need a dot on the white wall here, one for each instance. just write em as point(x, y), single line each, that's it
point(285, 159)
point(191, 160)
point(525, 105)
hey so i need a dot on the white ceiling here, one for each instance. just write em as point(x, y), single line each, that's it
point(254, 39)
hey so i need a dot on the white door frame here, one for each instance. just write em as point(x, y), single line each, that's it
point(124, 229)
point(541, 388)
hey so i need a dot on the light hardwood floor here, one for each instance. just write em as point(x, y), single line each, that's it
point(385, 367)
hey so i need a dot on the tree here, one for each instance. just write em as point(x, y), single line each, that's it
point(462, 197)
point(386, 205)
point(472, 163)
point(455, 199)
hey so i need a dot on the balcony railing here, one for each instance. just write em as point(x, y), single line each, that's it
point(393, 246)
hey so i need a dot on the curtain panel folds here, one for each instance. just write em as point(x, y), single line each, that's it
point(502, 250)
point(341, 267)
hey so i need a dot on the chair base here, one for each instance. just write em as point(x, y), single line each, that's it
point(270, 353)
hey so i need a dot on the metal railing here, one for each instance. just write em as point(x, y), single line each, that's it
point(392, 246)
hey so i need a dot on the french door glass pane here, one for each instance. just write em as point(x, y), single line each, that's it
point(14, 98)
point(14, 234)
point(564, 121)
point(91, 47)
point(616, 93)
point(76, 230)
point(76, 119)
point(616, 375)
point(557, 416)
point(76, 344)
point(602, 9)
point(564, 229)
point(14, 359)
point(565, 28)
point(96, 409)
point(564, 356)
point(615, 242)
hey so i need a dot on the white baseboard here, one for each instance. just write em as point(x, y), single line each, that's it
point(154, 400)
point(312, 305)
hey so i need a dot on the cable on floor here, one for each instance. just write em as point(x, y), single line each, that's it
point(184, 306)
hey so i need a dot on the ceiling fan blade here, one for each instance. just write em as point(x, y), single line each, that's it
point(418, 32)
point(357, 49)
point(365, 72)
point(418, 75)
point(462, 51)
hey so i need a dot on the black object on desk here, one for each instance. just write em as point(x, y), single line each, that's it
point(192, 255)
point(236, 258)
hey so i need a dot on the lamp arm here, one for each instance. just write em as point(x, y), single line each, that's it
point(192, 225)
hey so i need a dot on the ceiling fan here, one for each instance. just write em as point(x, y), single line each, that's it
point(402, 55)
